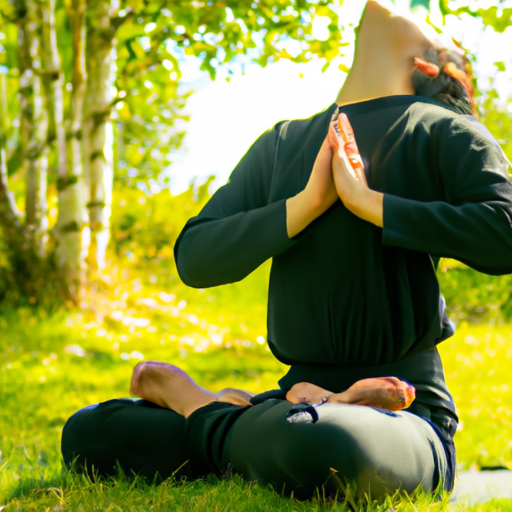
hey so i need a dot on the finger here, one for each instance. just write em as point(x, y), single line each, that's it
point(324, 156)
point(346, 131)
point(360, 174)
point(355, 160)
point(349, 140)
point(346, 166)
point(333, 138)
point(326, 145)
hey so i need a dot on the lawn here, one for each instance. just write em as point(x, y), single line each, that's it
point(51, 365)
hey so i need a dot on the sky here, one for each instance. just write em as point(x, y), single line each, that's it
point(227, 117)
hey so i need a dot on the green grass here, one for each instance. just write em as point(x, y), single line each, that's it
point(50, 366)
point(477, 361)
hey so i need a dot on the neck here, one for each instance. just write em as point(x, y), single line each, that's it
point(368, 82)
point(384, 56)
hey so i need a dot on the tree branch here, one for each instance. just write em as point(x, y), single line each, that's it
point(117, 21)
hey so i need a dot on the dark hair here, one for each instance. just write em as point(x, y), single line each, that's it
point(444, 88)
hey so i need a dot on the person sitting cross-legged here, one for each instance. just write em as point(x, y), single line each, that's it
point(354, 239)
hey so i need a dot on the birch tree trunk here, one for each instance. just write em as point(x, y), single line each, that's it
point(69, 226)
point(97, 127)
point(10, 219)
point(29, 275)
point(33, 124)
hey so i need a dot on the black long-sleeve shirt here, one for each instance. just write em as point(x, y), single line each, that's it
point(344, 292)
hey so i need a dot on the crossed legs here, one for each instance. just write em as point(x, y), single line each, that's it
point(378, 450)
point(169, 386)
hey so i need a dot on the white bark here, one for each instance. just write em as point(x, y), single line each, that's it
point(9, 214)
point(34, 126)
point(97, 133)
point(68, 229)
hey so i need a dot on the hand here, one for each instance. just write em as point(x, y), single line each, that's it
point(318, 196)
point(348, 173)
point(349, 180)
point(341, 137)
point(320, 188)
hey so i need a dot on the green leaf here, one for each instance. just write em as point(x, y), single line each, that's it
point(500, 65)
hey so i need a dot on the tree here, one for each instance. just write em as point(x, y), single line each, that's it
point(74, 66)
point(96, 82)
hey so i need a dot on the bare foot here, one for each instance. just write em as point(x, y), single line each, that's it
point(385, 392)
point(169, 386)
point(305, 392)
point(234, 396)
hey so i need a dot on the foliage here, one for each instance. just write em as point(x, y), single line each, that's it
point(60, 127)
point(152, 39)
point(477, 362)
point(494, 16)
point(219, 33)
point(472, 296)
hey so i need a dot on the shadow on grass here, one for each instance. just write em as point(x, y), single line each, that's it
point(77, 491)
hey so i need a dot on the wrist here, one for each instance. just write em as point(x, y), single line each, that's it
point(301, 210)
point(368, 205)
point(313, 203)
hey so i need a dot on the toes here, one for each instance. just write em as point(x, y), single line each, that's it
point(136, 378)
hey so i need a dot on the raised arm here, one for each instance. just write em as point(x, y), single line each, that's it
point(240, 228)
point(473, 222)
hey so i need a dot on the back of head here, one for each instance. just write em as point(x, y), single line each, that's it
point(452, 85)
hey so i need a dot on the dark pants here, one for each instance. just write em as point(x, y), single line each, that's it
point(135, 435)
point(293, 448)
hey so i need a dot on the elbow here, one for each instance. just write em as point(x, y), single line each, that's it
point(497, 264)
point(190, 268)
point(191, 274)
point(202, 266)
point(200, 272)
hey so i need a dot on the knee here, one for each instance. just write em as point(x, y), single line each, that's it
point(336, 454)
point(75, 441)
point(321, 453)
point(86, 439)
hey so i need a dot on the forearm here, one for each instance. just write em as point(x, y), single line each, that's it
point(212, 252)
point(478, 234)
point(302, 210)
point(367, 205)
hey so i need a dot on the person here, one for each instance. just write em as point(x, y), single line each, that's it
point(353, 292)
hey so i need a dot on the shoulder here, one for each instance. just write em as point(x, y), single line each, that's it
point(298, 127)
point(466, 133)
point(446, 122)
point(431, 113)
point(456, 131)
